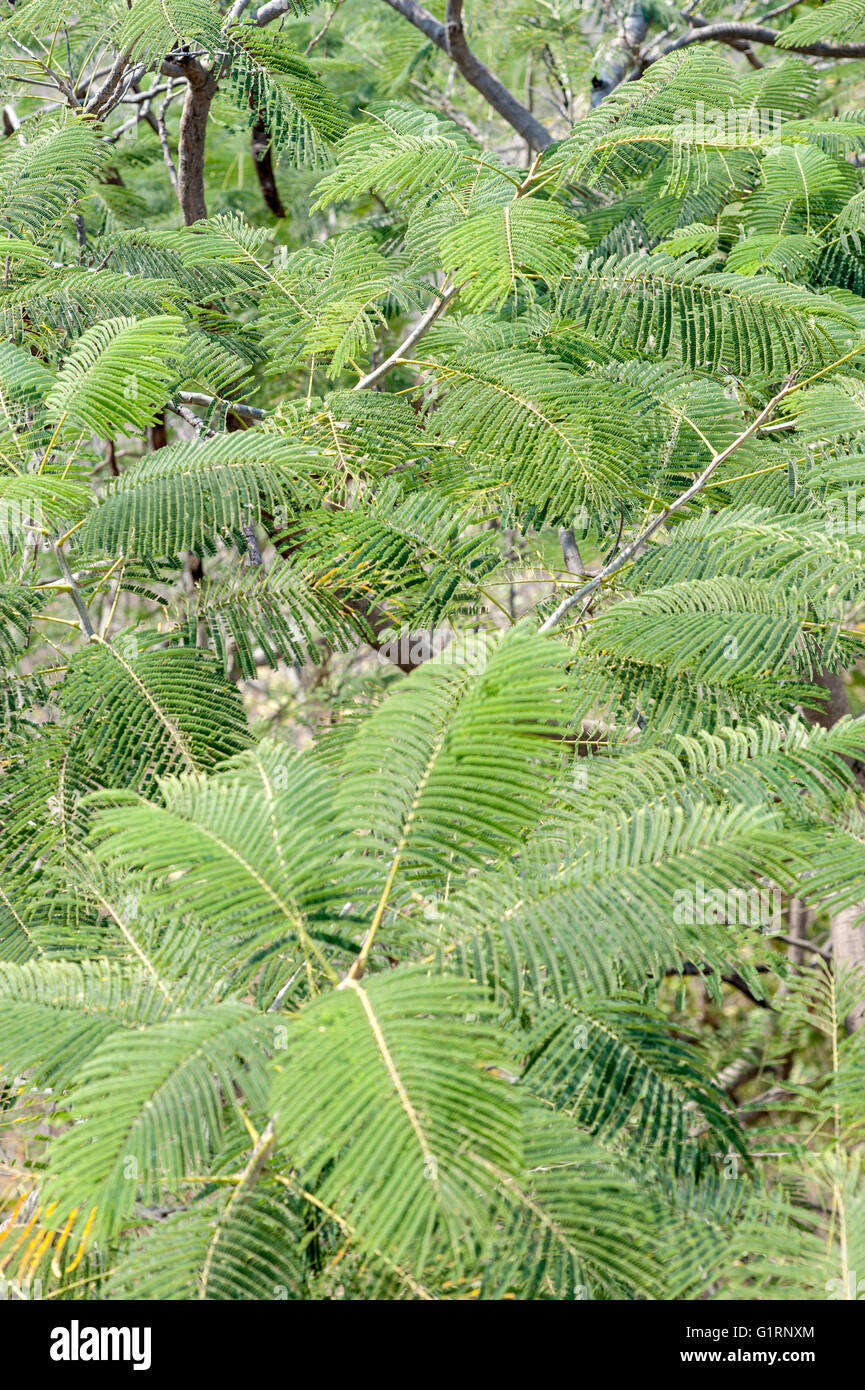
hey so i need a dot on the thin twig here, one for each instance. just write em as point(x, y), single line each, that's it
point(75, 592)
point(162, 132)
point(681, 501)
point(446, 297)
point(317, 38)
point(803, 944)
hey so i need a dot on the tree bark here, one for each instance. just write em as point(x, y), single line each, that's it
point(737, 33)
point(848, 949)
point(451, 39)
point(263, 161)
point(193, 135)
point(848, 925)
point(157, 434)
point(622, 54)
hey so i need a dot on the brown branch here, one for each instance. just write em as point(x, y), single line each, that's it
point(740, 45)
point(200, 92)
point(105, 100)
point(801, 943)
point(734, 979)
point(262, 158)
point(157, 433)
point(737, 33)
point(322, 33)
point(450, 38)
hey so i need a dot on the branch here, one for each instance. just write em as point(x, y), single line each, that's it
point(740, 45)
point(86, 625)
point(201, 430)
point(622, 54)
point(426, 321)
point(734, 979)
point(682, 500)
point(193, 133)
point(802, 944)
point(12, 125)
point(737, 33)
point(262, 159)
point(571, 551)
point(450, 38)
point(108, 96)
point(246, 412)
point(848, 949)
point(162, 134)
point(322, 33)
point(272, 10)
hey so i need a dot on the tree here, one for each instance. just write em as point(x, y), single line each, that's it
point(430, 607)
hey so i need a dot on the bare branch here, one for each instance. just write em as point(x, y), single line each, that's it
point(427, 319)
point(623, 53)
point(193, 134)
point(262, 158)
point(802, 944)
point(109, 95)
point(12, 124)
point(272, 10)
point(725, 32)
point(450, 38)
point(740, 45)
point(571, 551)
point(246, 412)
point(695, 488)
point(162, 132)
point(322, 33)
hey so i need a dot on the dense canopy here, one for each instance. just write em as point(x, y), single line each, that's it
point(432, 465)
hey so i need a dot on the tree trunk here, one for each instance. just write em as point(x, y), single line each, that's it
point(263, 159)
point(848, 949)
point(618, 58)
point(190, 155)
point(848, 926)
point(451, 38)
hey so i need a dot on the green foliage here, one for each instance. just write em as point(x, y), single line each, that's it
point(156, 26)
point(117, 375)
point(297, 108)
point(428, 841)
point(45, 179)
